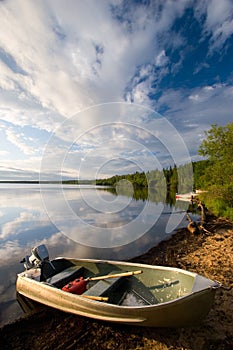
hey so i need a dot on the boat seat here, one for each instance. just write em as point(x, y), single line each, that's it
point(65, 276)
point(104, 287)
point(51, 268)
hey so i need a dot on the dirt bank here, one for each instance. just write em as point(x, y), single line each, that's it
point(209, 254)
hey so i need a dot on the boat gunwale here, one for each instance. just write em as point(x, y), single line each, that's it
point(125, 263)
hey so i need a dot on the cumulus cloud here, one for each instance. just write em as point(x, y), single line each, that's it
point(64, 63)
point(56, 61)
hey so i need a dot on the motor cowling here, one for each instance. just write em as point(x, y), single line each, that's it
point(39, 254)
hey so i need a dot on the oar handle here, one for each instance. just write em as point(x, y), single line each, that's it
point(94, 297)
point(122, 274)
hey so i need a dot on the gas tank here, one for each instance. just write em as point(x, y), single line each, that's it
point(78, 286)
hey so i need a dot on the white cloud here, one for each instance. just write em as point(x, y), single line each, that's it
point(33, 45)
point(161, 59)
point(219, 20)
point(66, 61)
point(193, 111)
point(19, 141)
point(218, 12)
point(14, 227)
point(57, 60)
point(195, 97)
point(20, 169)
point(4, 153)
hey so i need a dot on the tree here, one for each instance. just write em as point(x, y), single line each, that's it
point(218, 148)
point(218, 176)
point(199, 173)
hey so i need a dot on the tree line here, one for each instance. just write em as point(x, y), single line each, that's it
point(213, 174)
point(166, 178)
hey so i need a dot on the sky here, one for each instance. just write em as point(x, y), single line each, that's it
point(89, 89)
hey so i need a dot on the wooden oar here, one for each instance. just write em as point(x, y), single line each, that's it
point(94, 297)
point(78, 286)
point(122, 274)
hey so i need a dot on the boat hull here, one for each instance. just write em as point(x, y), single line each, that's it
point(188, 309)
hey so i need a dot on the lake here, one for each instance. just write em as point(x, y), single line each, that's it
point(76, 221)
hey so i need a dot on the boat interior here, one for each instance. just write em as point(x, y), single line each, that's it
point(127, 291)
point(115, 289)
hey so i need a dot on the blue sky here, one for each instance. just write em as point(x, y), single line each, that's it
point(96, 88)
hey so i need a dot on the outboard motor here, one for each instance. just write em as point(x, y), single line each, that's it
point(39, 255)
point(39, 264)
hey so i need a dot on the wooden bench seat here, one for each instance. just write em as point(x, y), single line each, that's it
point(105, 287)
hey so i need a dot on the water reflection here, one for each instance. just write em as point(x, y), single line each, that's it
point(26, 222)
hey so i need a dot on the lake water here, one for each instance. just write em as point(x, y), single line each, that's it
point(75, 221)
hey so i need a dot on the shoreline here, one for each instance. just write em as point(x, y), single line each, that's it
point(208, 254)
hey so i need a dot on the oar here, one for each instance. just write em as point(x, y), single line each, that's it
point(121, 274)
point(78, 286)
point(93, 297)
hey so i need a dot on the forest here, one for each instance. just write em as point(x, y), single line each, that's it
point(213, 174)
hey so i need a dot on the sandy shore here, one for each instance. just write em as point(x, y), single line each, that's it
point(210, 255)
